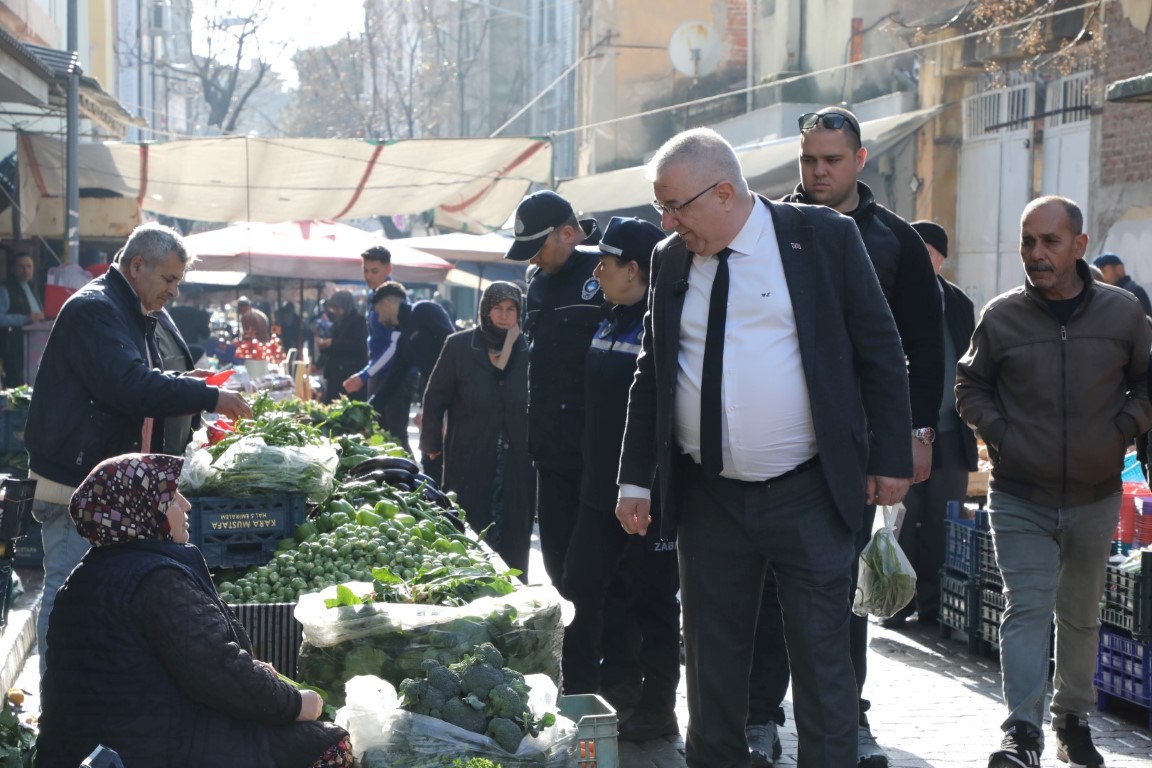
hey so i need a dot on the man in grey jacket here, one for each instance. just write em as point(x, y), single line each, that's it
point(1055, 383)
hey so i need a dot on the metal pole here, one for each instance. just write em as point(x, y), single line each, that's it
point(72, 164)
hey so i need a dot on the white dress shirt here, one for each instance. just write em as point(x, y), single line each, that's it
point(767, 428)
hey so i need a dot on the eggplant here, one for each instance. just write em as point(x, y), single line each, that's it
point(385, 462)
point(428, 482)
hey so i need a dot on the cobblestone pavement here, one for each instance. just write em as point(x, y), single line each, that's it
point(933, 706)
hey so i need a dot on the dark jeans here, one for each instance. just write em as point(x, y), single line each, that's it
point(770, 662)
point(922, 534)
point(395, 408)
point(730, 535)
point(557, 507)
point(641, 572)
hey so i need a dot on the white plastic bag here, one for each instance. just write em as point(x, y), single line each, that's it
point(382, 734)
point(391, 640)
point(250, 466)
point(887, 580)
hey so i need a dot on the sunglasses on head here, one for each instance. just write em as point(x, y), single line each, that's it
point(833, 121)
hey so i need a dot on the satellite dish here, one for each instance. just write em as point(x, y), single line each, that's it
point(695, 49)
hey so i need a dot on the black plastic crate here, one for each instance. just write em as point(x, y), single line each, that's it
point(243, 530)
point(959, 607)
point(991, 611)
point(1128, 600)
point(275, 633)
point(7, 594)
point(16, 508)
point(28, 550)
point(989, 572)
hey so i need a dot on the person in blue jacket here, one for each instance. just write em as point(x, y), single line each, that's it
point(605, 566)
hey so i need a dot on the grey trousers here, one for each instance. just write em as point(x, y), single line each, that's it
point(1053, 561)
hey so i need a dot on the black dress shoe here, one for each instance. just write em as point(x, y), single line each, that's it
point(646, 726)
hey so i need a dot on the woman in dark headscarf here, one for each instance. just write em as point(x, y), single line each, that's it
point(481, 383)
point(146, 659)
point(346, 348)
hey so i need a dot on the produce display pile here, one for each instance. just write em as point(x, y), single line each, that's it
point(477, 694)
point(393, 641)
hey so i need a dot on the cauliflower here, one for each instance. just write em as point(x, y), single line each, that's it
point(480, 679)
point(458, 713)
point(442, 678)
point(505, 701)
point(505, 733)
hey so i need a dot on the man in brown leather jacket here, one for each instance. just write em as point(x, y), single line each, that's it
point(1055, 382)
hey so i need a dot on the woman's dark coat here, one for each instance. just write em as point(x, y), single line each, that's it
point(481, 402)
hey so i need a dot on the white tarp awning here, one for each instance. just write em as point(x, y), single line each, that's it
point(238, 178)
point(771, 167)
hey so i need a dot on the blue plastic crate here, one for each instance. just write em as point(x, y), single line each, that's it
point(28, 550)
point(988, 571)
point(961, 554)
point(243, 530)
point(274, 632)
point(1123, 670)
point(1127, 602)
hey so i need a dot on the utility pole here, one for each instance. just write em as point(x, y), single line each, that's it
point(72, 163)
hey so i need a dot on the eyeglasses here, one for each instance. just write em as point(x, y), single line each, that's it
point(833, 121)
point(674, 210)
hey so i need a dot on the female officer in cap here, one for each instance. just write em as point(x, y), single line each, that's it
point(605, 567)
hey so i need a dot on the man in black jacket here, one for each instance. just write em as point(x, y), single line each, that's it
point(563, 311)
point(1112, 267)
point(954, 455)
point(19, 305)
point(831, 158)
point(423, 327)
point(102, 391)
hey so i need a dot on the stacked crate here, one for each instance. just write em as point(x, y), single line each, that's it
point(1124, 660)
point(959, 578)
point(15, 518)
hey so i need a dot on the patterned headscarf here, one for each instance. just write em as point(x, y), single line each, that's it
point(494, 294)
point(125, 498)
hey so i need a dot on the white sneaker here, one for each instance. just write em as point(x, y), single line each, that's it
point(869, 754)
point(763, 745)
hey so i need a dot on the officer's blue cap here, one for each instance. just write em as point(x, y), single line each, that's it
point(1107, 260)
point(631, 239)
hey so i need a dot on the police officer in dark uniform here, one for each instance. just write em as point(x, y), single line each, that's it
point(607, 568)
point(563, 311)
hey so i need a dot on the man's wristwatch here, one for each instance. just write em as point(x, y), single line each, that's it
point(925, 435)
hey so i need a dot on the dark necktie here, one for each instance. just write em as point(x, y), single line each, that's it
point(711, 415)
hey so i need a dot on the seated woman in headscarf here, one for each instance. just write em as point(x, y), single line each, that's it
point(146, 659)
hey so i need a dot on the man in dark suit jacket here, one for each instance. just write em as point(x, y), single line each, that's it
point(771, 412)
point(922, 535)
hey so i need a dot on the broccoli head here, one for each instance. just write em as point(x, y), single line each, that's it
point(488, 653)
point(505, 701)
point(505, 733)
point(458, 713)
point(442, 678)
point(422, 698)
point(480, 679)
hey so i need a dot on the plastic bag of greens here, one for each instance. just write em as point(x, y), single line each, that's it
point(250, 466)
point(887, 580)
point(385, 736)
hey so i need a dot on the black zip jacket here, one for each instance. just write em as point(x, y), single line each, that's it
point(908, 280)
